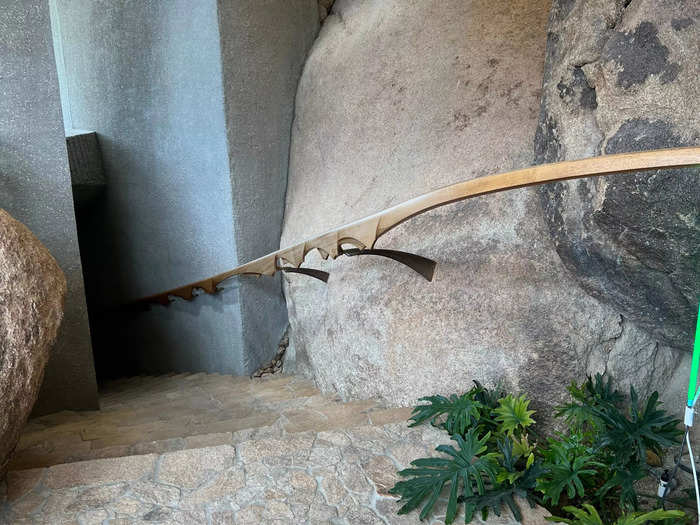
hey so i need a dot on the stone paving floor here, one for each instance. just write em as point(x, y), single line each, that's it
point(335, 477)
point(144, 415)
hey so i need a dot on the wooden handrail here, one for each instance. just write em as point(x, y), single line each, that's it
point(365, 232)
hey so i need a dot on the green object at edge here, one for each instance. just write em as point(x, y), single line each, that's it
point(692, 385)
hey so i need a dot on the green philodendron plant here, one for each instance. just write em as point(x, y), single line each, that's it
point(583, 474)
point(589, 516)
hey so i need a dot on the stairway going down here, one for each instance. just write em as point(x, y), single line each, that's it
point(210, 448)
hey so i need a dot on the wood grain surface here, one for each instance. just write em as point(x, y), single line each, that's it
point(365, 232)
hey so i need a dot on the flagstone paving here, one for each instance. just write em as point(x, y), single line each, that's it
point(209, 449)
point(336, 477)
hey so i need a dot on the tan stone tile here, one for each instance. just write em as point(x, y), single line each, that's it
point(333, 437)
point(157, 447)
point(29, 503)
point(367, 435)
point(22, 521)
point(343, 416)
point(128, 507)
point(60, 418)
point(46, 436)
point(334, 491)
point(382, 416)
point(209, 440)
point(225, 517)
point(173, 517)
point(320, 512)
point(382, 472)
point(303, 487)
point(224, 486)
point(115, 451)
point(304, 419)
point(252, 494)
point(21, 482)
point(154, 493)
point(84, 452)
point(259, 419)
point(353, 477)
point(55, 519)
point(94, 497)
point(55, 506)
point(389, 509)
point(154, 431)
point(190, 468)
point(108, 470)
point(274, 493)
point(297, 446)
point(250, 515)
point(322, 454)
point(404, 453)
point(265, 432)
point(359, 515)
point(35, 458)
point(277, 510)
point(93, 517)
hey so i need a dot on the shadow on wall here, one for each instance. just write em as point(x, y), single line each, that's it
point(153, 80)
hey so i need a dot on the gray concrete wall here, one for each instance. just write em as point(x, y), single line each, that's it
point(190, 153)
point(264, 44)
point(35, 188)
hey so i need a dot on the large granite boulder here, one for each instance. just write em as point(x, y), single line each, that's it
point(623, 76)
point(32, 288)
point(398, 98)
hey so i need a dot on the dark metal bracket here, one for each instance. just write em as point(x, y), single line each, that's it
point(418, 263)
point(316, 274)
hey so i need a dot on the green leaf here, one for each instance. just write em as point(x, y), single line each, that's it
point(640, 518)
point(592, 393)
point(624, 479)
point(461, 412)
point(521, 447)
point(488, 397)
point(589, 516)
point(530, 460)
point(498, 496)
point(512, 413)
point(567, 466)
point(507, 461)
point(464, 471)
point(629, 435)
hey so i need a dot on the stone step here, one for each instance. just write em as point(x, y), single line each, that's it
point(183, 433)
point(182, 411)
point(337, 476)
point(229, 384)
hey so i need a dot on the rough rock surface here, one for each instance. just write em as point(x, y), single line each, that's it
point(623, 76)
point(390, 107)
point(32, 288)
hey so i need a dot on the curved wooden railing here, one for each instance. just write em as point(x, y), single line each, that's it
point(364, 233)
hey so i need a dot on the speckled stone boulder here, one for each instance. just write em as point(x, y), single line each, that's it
point(32, 288)
point(623, 76)
point(399, 98)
